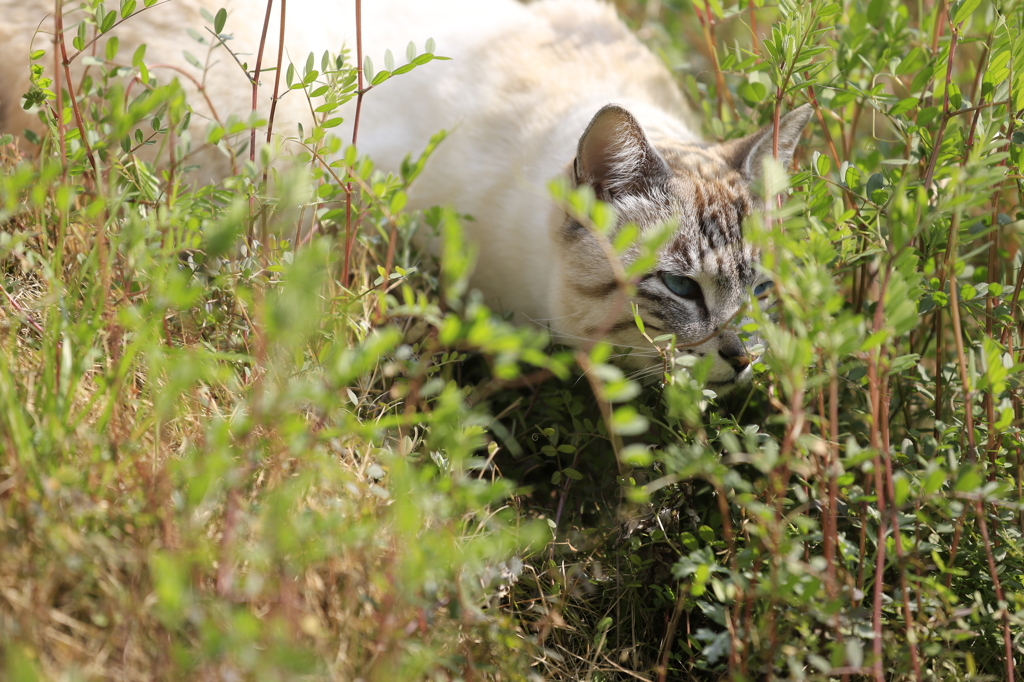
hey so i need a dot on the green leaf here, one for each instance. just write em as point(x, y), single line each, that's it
point(628, 422)
point(397, 202)
point(955, 98)
point(996, 372)
point(637, 319)
point(79, 40)
point(851, 175)
point(573, 474)
point(968, 480)
point(822, 163)
point(636, 455)
point(875, 11)
point(901, 488)
point(904, 362)
point(109, 19)
point(935, 480)
point(1017, 88)
point(920, 80)
point(962, 11)
point(111, 48)
point(1006, 417)
point(875, 182)
point(914, 60)
point(903, 106)
point(752, 92)
point(220, 20)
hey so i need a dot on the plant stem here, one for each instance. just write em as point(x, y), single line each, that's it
point(349, 231)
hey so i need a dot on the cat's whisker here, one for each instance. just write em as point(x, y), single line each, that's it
point(584, 340)
point(645, 372)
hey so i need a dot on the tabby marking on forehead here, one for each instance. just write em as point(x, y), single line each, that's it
point(711, 200)
point(706, 199)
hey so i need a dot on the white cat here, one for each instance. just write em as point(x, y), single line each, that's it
point(556, 88)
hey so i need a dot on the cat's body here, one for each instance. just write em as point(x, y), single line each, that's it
point(521, 97)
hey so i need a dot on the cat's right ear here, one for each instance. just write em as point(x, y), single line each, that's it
point(747, 154)
point(615, 157)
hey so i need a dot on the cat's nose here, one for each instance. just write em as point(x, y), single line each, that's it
point(736, 357)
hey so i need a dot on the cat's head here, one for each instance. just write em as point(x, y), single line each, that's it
point(705, 272)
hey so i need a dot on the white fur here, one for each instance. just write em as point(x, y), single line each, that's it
point(517, 95)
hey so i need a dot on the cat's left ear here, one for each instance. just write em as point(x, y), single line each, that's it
point(748, 153)
point(615, 157)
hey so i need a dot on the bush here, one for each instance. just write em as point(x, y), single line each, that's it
point(239, 447)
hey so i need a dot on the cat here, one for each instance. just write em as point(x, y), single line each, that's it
point(533, 92)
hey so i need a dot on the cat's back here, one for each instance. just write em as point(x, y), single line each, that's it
point(533, 64)
point(508, 59)
point(516, 97)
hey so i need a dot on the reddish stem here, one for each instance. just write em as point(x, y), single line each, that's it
point(255, 104)
point(256, 77)
point(349, 232)
point(79, 121)
point(273, 102)
point(875, 397)
point(930, 173)
point(1000, 599)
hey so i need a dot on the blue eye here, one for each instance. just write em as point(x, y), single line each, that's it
point(763, 288)
point(683, 287)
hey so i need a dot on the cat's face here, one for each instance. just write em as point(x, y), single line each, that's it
point(705, 273)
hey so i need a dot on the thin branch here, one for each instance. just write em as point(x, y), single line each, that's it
point(79, 121)
point(252, 79)
point(120, 21)
point(1000, 598)
point(32, 323)
point(349, 232)
point(937, 145)
point(273, 102)
point(256, 76)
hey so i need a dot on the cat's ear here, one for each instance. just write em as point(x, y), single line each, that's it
point(748, 153)
point(615, 157)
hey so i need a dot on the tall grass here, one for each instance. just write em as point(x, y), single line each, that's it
point(250, 432)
